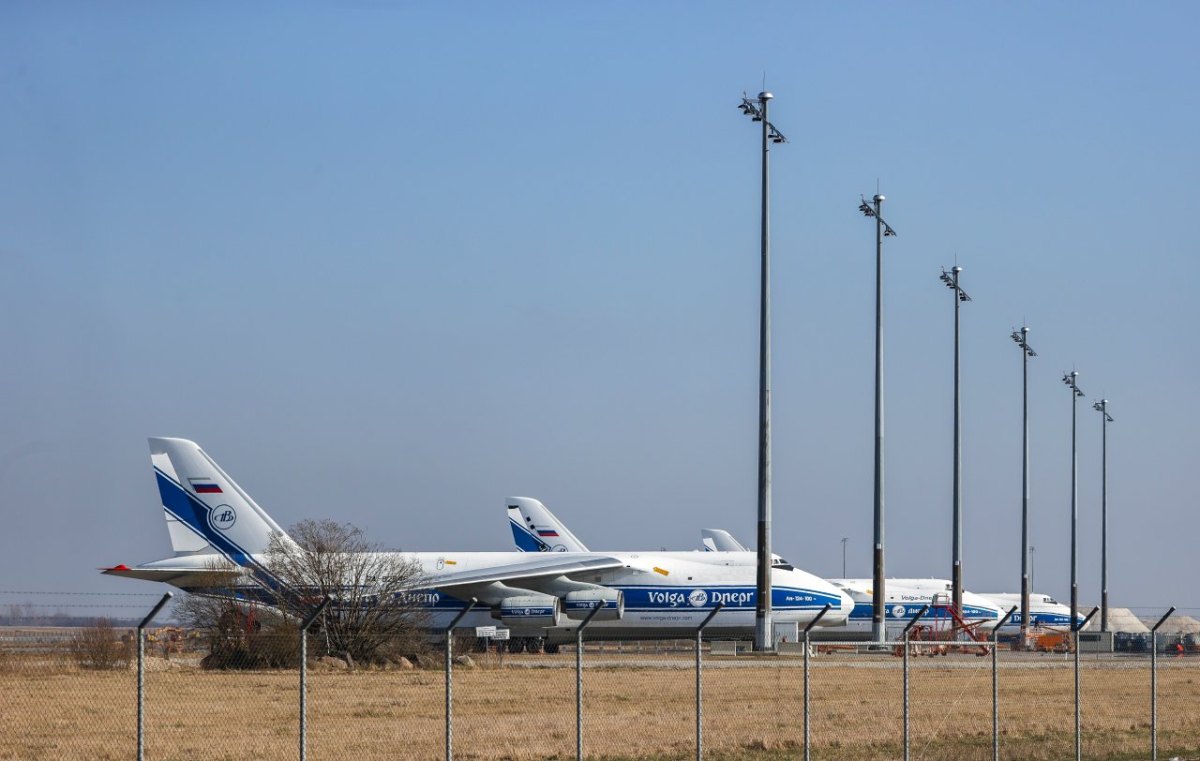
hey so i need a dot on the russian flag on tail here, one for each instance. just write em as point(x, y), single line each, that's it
point(547, 532)
point(205, 486)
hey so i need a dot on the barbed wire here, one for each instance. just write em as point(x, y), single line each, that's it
point(65, 606)
point(81, 594)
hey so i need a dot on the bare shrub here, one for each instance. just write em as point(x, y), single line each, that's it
point(99, 647)
point(239, 634)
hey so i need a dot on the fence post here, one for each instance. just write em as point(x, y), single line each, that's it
point(450, 679)
point(996, 684)
point(699, 703)
point(307, 622)
point(924, 609)
point(579, 681)
point(141, 673)
point(1154, 684)
point(808, 629)
point(1075, 628)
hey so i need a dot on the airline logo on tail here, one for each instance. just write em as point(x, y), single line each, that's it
point(222, 517)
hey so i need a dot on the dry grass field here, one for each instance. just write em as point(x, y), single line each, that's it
point(526, 710)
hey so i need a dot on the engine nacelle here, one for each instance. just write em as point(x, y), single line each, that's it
point(530, 610)
point(610, 601)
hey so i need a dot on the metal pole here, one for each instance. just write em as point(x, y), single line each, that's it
point(1078, 727)
point(1075, 647)
point(1104, 521)
point(996, 684)
point(763, 641)
point(303, 694)
point(1105, 419)
point(579, 682)
point(807, 630)
point(844, 540)
point(450, 677)
point(1154, 684)
point(908, 629)
point(1074, 501)
point(957, 569)
point(307, 622)
point(878, 598)
point(141, 674)
point(699, 685)
point(1026, 571)
point(141, 671)
point(1154, 694)
point(905, 730)
point(807, 717)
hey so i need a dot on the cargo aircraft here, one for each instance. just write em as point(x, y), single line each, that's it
point(1044, 610)
point(212, 521)
point(536, 529)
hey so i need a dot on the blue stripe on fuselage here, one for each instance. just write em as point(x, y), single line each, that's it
point(652, 598)
point(643, 598)
point(1041, 619)
point(864, 610)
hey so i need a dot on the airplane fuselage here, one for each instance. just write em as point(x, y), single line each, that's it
point(666, 594)
point(904, 598)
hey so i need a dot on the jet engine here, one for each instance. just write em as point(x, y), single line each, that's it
point(530, 610)
point(579, 604)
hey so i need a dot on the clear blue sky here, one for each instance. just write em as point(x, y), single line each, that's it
point(389, 263)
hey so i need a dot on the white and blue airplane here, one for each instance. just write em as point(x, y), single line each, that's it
point(212, 522)
point(536, 529)
point(1044, 610)
point(904, 598)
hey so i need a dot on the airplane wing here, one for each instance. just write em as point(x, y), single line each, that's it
point(540, 567)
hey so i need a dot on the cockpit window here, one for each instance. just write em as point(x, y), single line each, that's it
point(783, 564)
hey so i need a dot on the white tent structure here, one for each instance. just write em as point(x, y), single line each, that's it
point(1119, 620)
point(1176, 625)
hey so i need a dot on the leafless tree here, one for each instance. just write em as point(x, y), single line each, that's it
point(373, 614)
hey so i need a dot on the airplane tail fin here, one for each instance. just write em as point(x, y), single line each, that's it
point(720, 540)
point(536, 529)
point(206, 511)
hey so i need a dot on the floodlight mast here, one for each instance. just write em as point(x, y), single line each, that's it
point(763, 640)
point(951, 281)
point(878, 599)
point(1105, 418)
point(1021, 337)
point(1071, 379)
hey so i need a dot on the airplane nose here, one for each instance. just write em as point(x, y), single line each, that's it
point(847, 606)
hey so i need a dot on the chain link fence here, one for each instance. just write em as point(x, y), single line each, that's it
point(72, 692)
